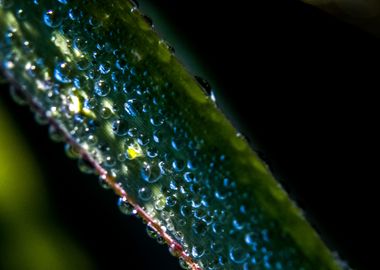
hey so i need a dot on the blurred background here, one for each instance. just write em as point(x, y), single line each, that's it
point(297, 82)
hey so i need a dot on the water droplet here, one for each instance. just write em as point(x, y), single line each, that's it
point(62, 72)
point(199, 227)
point(143, 140)
point(151, 232)
point(75, 14)
point(71, 151)
point(238, 255)
point(152, 152)
point(103, 182)
point(148, 20)
point(121, 64)
point(102, 88)
point(56, 134)
point(151, 173)
point(204, 84)
point(160, 204)
point(183, 264)
point(106, 113)
point(178, 165)
point(197, 252)
point(17, 95)
point(189, 177)
point(125, 207)
point(52, 18)
point(105, 68)
point(132, 107)
point(171, 201)
point(85, 166)
point(251, 238)
point(81, 44)
point(216, 247)
point(145, 194)
point(120, 127)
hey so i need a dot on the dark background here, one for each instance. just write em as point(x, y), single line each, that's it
point(298, 83)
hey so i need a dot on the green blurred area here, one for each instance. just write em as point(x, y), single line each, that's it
point(30, 238)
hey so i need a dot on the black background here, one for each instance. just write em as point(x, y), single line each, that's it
point(298, 83)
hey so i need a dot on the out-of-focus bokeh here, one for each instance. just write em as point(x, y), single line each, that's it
point(363, 13)
point(30, 236)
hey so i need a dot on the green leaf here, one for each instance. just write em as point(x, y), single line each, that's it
point(114, 91)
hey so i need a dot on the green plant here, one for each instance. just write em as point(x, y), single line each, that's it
point(129, 111)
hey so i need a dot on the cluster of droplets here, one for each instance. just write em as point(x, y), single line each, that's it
point(101, 90)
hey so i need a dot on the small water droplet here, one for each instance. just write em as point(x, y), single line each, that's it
point(125, 207)
point(105, 68)
point(85, 166)
point(62, 72)
point(151, 173)
point(132, 107)
point(145, 193)
point(52, 18)
point(102, 88)
point(204, 84)
point(120, 127)
point(197, 252)
point(238, 255)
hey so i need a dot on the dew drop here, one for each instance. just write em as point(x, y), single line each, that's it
point(102, 88)
point(183, 264)
point(204, 84)
point(125, 207)
point(171, 201)
point(160, 204)
point(197, 252)
point(71, 151)
point(103, 182)
point(238, 255)
point(105, 68)
point(145, 193)
point(151, 173)
point(152, 152)
point(120, 127)
point(199, 228)
point(132, 107)
point(62, 72)
point(105, 113)
point(56, 134)
point(52, 18)
point(151, 232)
point(85, 166)
point(18, 96)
